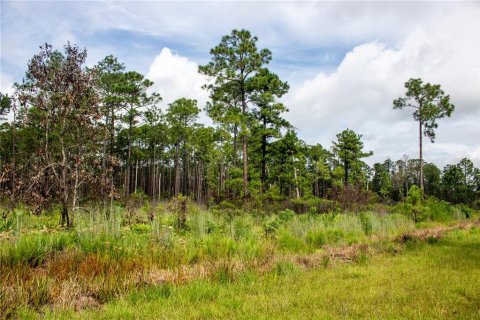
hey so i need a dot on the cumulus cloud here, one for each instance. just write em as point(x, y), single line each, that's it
point(359, 93)
point(177, 77)
point(6, 84)
point(345, 62)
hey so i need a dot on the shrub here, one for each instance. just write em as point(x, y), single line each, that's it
point(178, 205)
point(286, 215)
point(271, 226)
point(334, 236)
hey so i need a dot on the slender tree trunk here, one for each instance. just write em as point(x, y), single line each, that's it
point(346, 169)
point(65, 217)
point(129, 154)
point(297, 189)
point(264, 155)
point(14, 159)
point(135, 186)
point(112, 145)
point(245, 166)
point(235, 145)
point(177, 170)
point(420, 151)
point(161, 179)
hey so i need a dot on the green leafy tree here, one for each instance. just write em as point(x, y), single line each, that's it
point(453, 183)
point(181, 115)
point(318, 164)
point(381, 182)
point(349, 150)
point(432, 180)
point(134, 90)
point(430, 104)
point(234, 62)
point(415, 199)
point(267, 88)
point(109, 76)
point(288, 161)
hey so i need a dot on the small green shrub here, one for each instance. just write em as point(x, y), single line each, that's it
point(286, 215)
point(271, 226)
point(334, 236)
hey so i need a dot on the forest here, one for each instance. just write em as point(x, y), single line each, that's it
point(81, 135)
point(107, 191)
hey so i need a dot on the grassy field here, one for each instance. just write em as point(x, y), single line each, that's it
point(436, 280)
point(242, 265)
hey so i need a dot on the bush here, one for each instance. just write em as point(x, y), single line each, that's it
point(286, 215)
point(271, 226)
point(334, 236)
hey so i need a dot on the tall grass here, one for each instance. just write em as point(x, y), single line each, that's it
point(103, 257)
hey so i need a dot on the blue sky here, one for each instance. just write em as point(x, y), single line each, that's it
point(345, 61)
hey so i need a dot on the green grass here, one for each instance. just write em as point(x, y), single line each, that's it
point(428, 281)
point(104, 258)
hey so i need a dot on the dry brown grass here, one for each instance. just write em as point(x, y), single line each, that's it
point(71, 279)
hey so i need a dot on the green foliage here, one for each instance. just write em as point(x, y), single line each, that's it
point(429, 101)
point(349, 150)
point(366, 223)
point(316, 238)
point(288, 242)
point(286, 215)
point(178, 206)
point(33, 250)
point(450, 291)
point(271, 225)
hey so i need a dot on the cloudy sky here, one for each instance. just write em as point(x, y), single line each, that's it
point(345, 61)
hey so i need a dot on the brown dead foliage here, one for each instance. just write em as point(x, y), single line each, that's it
point(71, 279)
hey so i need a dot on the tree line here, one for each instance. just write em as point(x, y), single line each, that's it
point(77, 134)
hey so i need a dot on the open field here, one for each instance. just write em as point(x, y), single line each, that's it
point(262, 266)
point(436, 280)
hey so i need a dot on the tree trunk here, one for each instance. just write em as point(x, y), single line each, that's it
point(136, 177)
point(65, 217)
point(264, 156)
point(420, 151)
point(346, 169)
point(297, 189)
point(129, 154)
point(14, 159)
point(245, 166)
point(177, 171)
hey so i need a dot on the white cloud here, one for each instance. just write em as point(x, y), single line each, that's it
point(177, 77)
point(6, 84)
point(388, 43)
point(359, 94)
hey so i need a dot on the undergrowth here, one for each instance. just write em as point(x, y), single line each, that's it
point(106, 256)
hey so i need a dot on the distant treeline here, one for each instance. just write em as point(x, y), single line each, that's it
point(98, 134)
